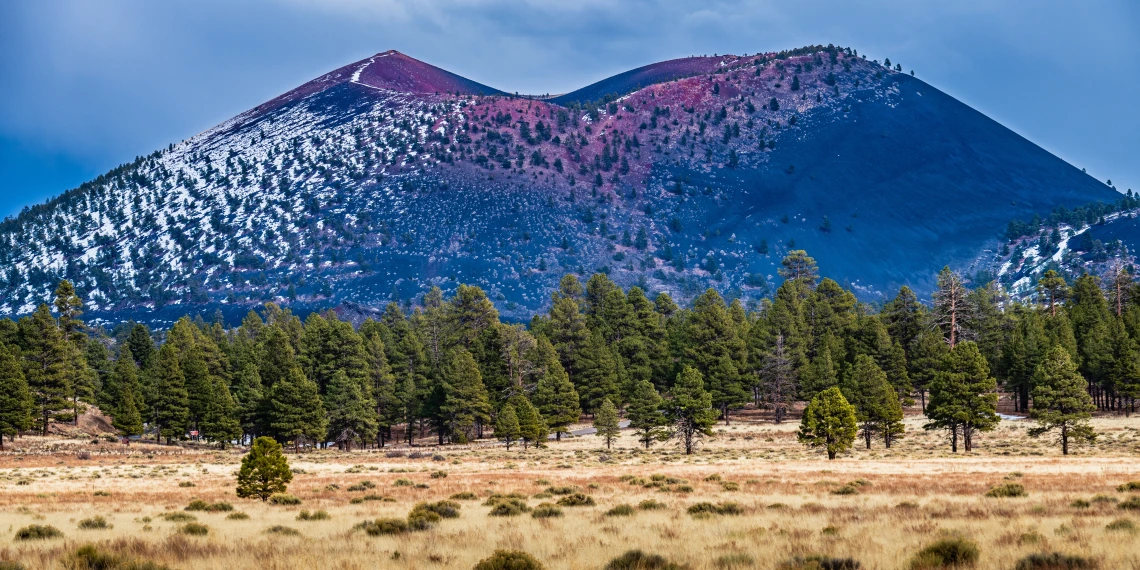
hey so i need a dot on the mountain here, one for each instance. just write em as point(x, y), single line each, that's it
point(385, 177)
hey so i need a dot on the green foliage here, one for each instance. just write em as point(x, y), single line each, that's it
point(386, 526)
point(532, 428)
point(1061, 401)
point(94, 523)
point(606, 422)
point(691, 408)
point(638, 560)
point(646, 413)
point(546, 511)
point(963, 396)
point(320, 515)
point(15, 399)
point(946, 553)
point(704, 509)
point(1129, 486)
point(264, 471)
point(284, 499)
point(89, 557)
point(829, 422)
point(194, 529)
point(876, 403)
point(1055, 561)
point(509, 560)
point(37, 532)
point(576, 500)
point(622, 510)
point(817, 562)
point(1007, 490)
point(507, 428)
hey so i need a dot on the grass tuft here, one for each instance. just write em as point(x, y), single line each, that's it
point(194, 529)
point(1007, 490)
point(1055, 561)
point(94, 523)
point(284, 499)
point(509, 560)
point(946, 553)
point(38, 532)
point(638, 560)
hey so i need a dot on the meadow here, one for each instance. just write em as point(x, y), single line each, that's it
point(750, 497)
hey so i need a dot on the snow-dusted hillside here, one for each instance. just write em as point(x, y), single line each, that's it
point(387, 176)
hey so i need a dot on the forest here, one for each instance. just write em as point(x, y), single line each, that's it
point(450, 371)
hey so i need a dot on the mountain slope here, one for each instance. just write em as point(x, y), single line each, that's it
point(388, 176)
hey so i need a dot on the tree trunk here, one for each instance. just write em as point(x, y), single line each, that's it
point(1064, 440)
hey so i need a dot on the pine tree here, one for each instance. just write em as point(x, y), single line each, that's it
point(952, 309)
point(264, 471)
point(716, 350)
point(220, 422)
point(124, 394)
point(127, 418)
point(507, 428)
point(351, 411)
point(296, 410)
point(249, 400)
point(876, 403)
point(606, 422)
point(15, 398)
point(141, 345)
point(646, 415)
point(1052, 290)
point(555, 396)
point(1061, 400)
point(47, 365)
point(568, 331)
point(829, 422)
point(531, 425)
point(926, 360)
point(963, 396)
point(596, 378)
point(690, 408)
point(382, 383)
point(779, 381)
point(466, 403)
point(169, 401)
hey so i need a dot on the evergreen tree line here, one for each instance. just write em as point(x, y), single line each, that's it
point(451, 370)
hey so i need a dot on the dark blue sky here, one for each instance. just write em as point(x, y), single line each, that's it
point(85, 85)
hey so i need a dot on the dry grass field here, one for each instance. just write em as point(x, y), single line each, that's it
point(877, 506)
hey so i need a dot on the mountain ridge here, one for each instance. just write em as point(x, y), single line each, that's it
point(388, 175)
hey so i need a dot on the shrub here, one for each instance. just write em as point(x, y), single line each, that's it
point(816, 562)
point(439, 474)
point(907, 505)
point(464, 496)
point(101, 494)
point(560, 490)
point(730, 486)
point(417, 455)
point(1080, 504)
point(94, 523)
point(362, 486)
point(38, 532)
point(620, 511)
point(638, 560)
point(178, 517)
point(847, 489)
point(1129, 486)
point(187, 484)
point(1007, 490)
point(546, 511)
point(194, 529)
point(394, 454)
point(734, 560)
point(704, 510)
point(282, 530)
point(402, 483)
point(422, 519)
point(385, 526)
point(1101, 499)
point(508, 508)
point(1054, 561)
point(946, 553)
point(238, 516)
point(445, 509)
point(219, 507)
point(89, 557)
point(509, 560)
point(1132, 504)
point(1121, 524)
point(651, 505)
point(11, 565)
point(713, 477)
point(197, 505)
point(313, 516)
point(576, 500)
point(284, 499)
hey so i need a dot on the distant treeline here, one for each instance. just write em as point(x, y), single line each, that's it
point(450, 369)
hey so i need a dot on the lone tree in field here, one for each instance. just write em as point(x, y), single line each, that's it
point(692, 412)
point(645, 415)
point(1061, 400)
point(264, 470)
point(963, 396)
point(829, 422)
point(606, 422)
point(507, 426)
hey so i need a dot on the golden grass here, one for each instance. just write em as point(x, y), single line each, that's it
point(904, 498)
